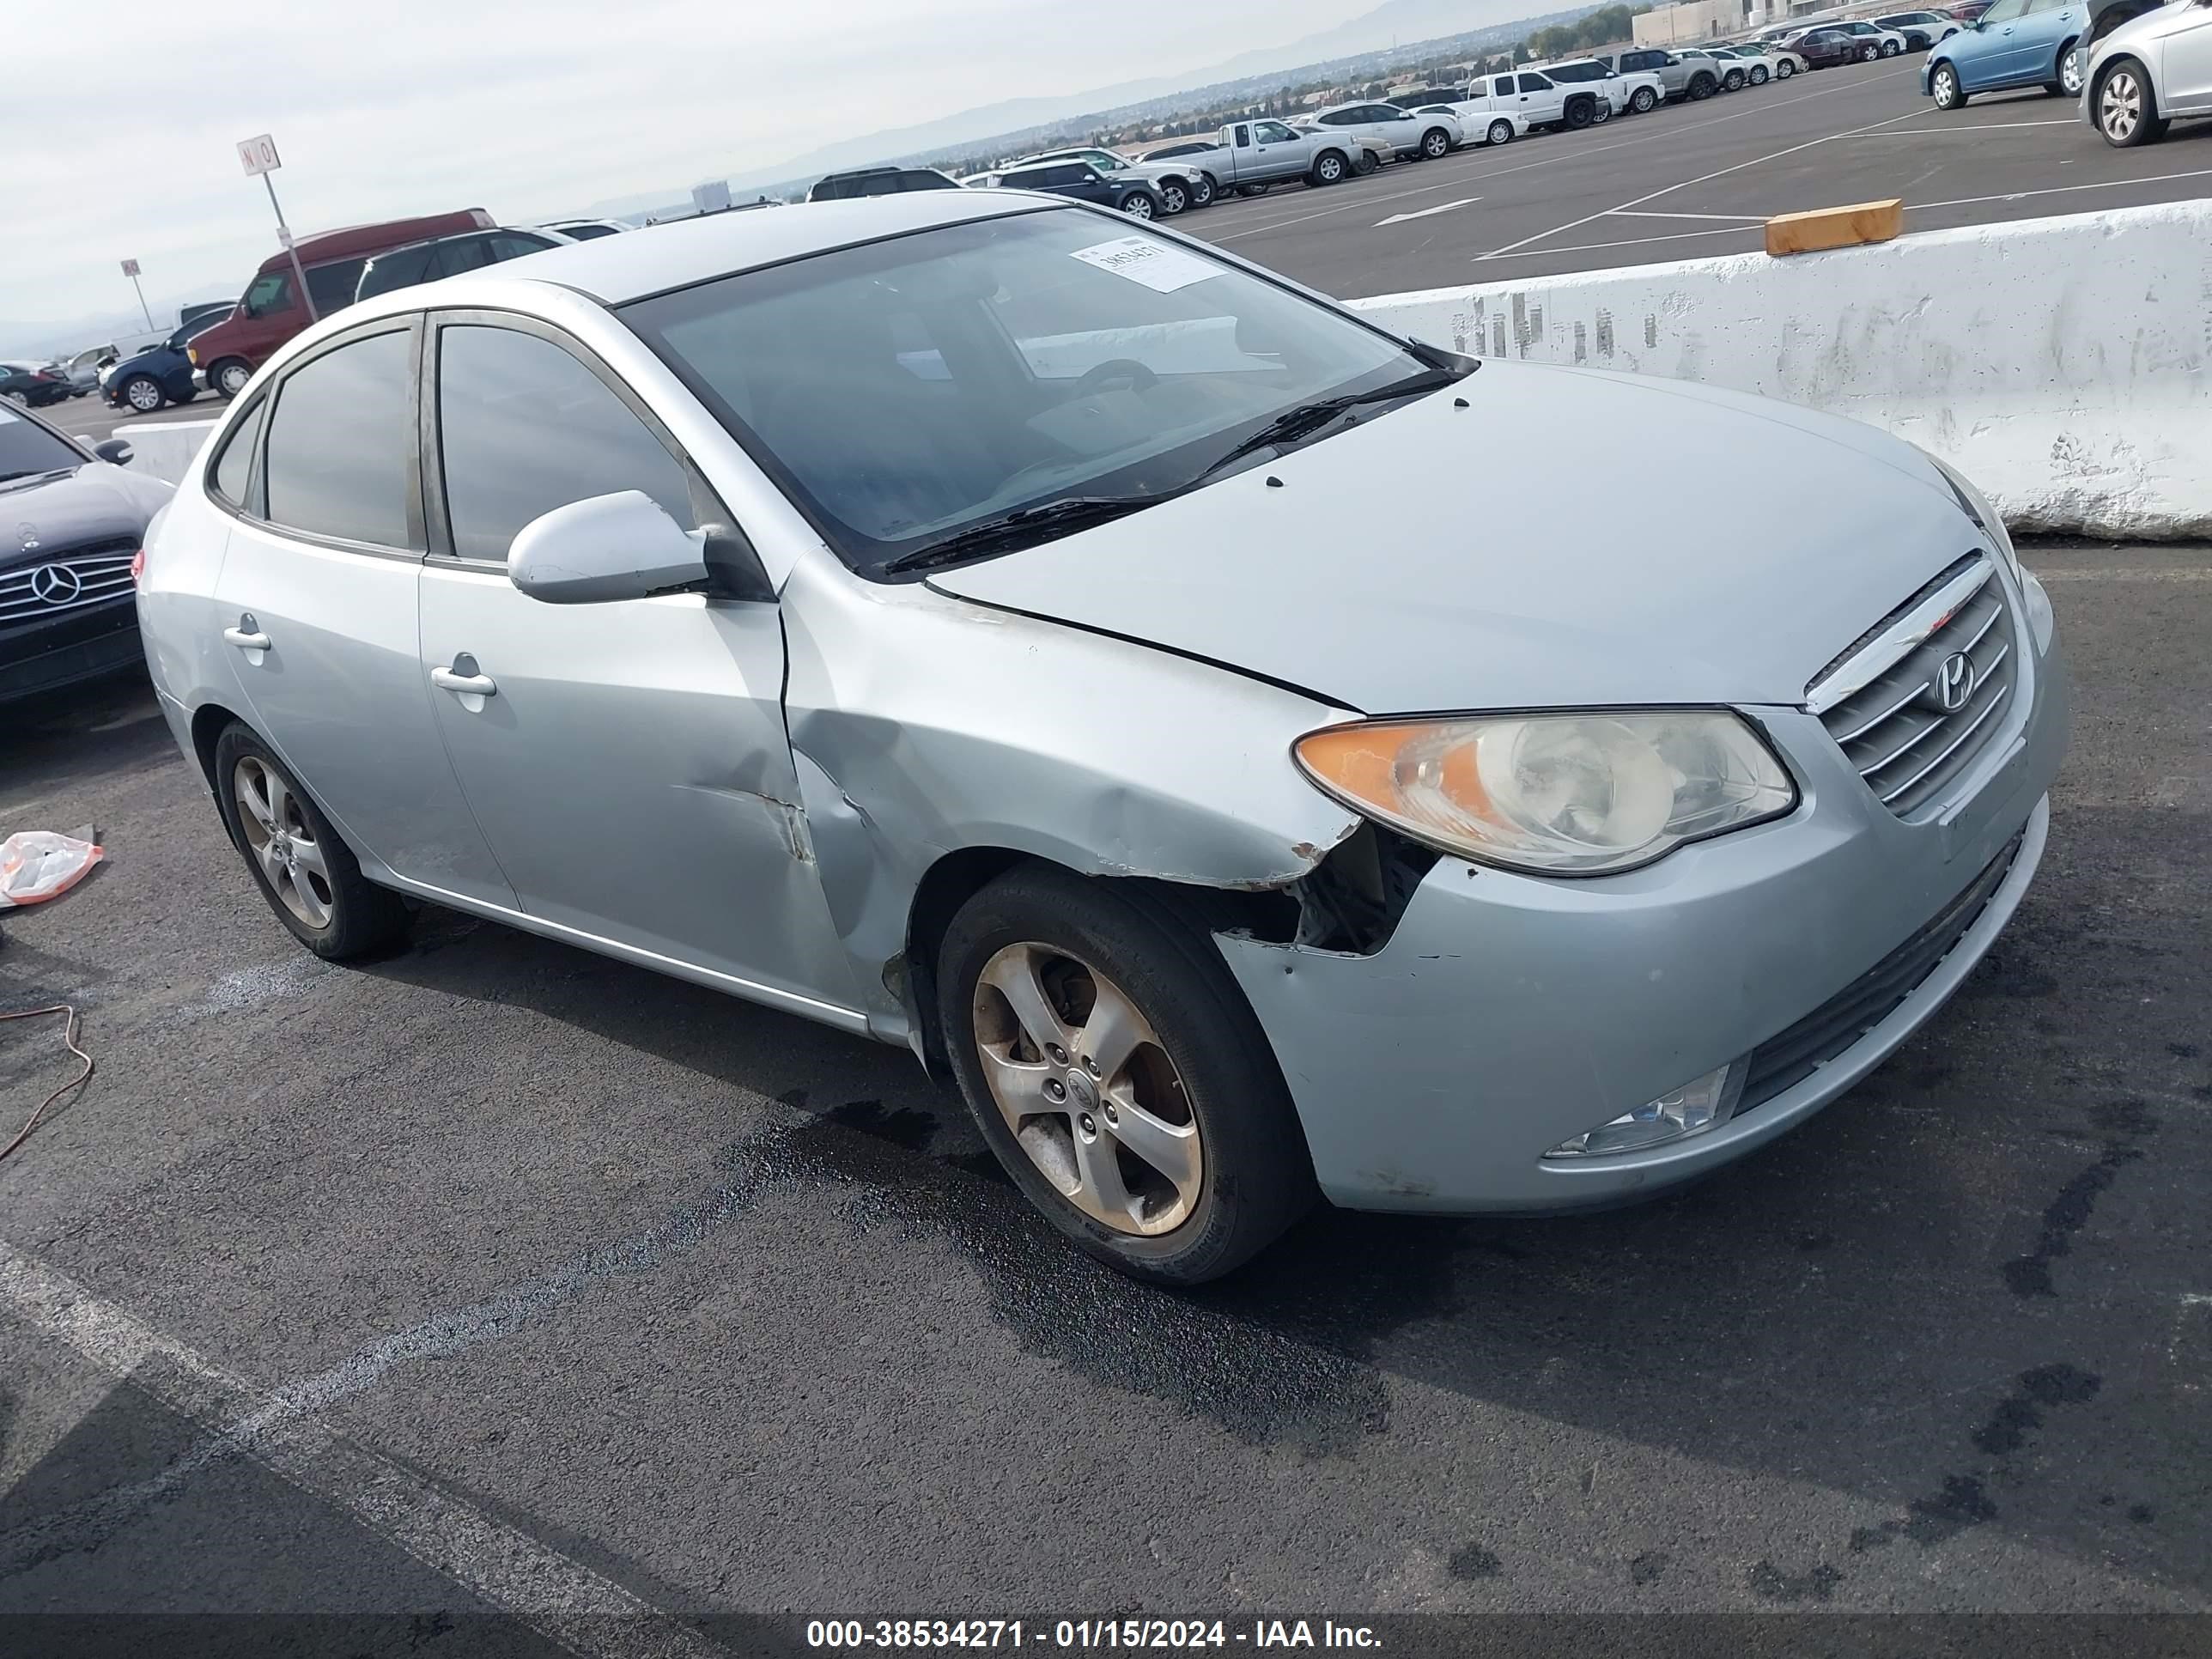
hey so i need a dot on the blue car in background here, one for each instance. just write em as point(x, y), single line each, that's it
point(2015, 43)
point(144, 383)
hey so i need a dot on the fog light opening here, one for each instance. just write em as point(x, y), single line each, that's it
point(1696, 1107)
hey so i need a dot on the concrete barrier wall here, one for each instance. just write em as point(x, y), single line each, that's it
point(163, 449)
point(2064, 365)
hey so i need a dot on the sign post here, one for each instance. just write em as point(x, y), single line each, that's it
point(259, 157)
point(131, 270)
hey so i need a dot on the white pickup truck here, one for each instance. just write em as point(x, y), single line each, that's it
point(1250, 156)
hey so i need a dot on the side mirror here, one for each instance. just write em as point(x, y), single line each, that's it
point(622, 546)
point(113, 451)
point(1091, 177)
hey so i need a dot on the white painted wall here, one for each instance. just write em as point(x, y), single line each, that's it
point(2063, 364)
point(163, 449)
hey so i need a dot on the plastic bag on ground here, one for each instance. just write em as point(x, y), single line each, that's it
point(37, 865)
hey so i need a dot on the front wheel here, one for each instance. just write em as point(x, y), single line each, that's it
point(1435, 142)
point(1600, 113)
point(1578, 114)
point(1138, 205)
point(1501, 132)
point(1173, 198)
point(1784, 70)
point(1119, 1075)
point(1943, 87)
point(229, 377)
point(1644, 101)
point(310, 877)
point(1758, 75)
point(143, 393)
point(1251, 190)
point(2126, 114)
point(1329, 169)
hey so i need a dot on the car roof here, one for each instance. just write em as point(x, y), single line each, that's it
point(615, 269)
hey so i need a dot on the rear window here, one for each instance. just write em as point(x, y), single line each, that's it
point(332, 286)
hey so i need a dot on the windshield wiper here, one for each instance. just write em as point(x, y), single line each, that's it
point(1020, 528)
point(1308, 418)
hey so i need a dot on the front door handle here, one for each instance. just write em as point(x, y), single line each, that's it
point(468, 686)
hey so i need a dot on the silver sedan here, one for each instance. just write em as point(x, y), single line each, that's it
point(963, 619)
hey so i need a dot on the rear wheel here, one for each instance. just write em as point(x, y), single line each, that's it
point(1643, 100)
point(310, 877)
point(1501, 132)
point(1119, 1075)
point(1758, 75)
point(2068, 83)
point(1435, 142)
point(1890, 49)
point(1138, 204)
point(1201, 191)
point(1251, 190)
point(1600, 113)
point(143, 392)
point(1943, 87)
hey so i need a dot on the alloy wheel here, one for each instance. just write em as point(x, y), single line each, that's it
point(2069, 74)
point(282, 842)
point(1784, 70)
point(1082, 1080)
point(1173, 199)
point(1138, 207)
point(2119, 109)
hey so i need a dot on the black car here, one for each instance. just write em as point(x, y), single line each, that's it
point(1085, 183)
point(71, 528)
point(29, 384)
point(163, 376)
point(449, 255)
point(878, 181)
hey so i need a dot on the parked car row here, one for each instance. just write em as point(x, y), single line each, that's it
point(2132, 66)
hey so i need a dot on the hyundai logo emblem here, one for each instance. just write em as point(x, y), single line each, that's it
point(1954, 682)
point(56, 584)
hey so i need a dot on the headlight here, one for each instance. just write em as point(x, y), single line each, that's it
point(1571, 794)
point(1976, 506)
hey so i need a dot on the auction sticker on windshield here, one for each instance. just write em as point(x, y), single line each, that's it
point(1155, 265)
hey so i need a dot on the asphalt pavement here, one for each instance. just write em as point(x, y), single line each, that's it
point(1693, 180)
point(506, 1298)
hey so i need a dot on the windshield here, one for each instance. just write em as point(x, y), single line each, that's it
point(27, 448)
point(903, 390)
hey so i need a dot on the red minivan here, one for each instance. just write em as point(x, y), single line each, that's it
point(268, 313)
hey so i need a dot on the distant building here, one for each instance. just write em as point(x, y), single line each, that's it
point(1702, 19)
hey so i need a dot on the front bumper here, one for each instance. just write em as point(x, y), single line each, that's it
point(88, 644)
point(1510, 1012)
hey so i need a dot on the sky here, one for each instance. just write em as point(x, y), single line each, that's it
point(382, 108)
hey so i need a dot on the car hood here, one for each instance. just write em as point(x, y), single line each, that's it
point(96, 503)
point(161, 359)
point(1537, 547)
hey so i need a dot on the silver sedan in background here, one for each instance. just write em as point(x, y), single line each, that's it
point(960, 618)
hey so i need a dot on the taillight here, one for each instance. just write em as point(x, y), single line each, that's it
point(138, 569)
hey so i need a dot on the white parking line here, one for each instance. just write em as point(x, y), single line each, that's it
point(1460, 180)
point(1633, 241)
point(1984, 126)
point(2058, 190)
point(1706, 178)
point(1423, 213)
point(1653, 213)
point(563, 1600)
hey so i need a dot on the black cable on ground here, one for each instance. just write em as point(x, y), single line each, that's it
point(69, 1042)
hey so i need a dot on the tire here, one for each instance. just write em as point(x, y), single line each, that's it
point(1138, 205)
point(1328, 168)
point(1501, 132)
point(1251, 190)
point(1436, 142)
point(1579, 112)
point(1600, 111)
point(1201, 191)
point(1784, 70)
point(335, 911)
point(1868, 53)
point(1732, 81)
point(229, 376)
point(1943, 87)
point(1174, 198)
point(1643, 100)
point(2127, 110)
point(1890, 49)
point(1758, 75)
point(2068, 83)
point(143, 392)
point(1196, 1058)
point(1702, 87)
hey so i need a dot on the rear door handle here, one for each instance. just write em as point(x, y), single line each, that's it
point(472, 685)
point(248, 635)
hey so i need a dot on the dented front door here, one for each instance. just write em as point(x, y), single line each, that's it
point(629, 765)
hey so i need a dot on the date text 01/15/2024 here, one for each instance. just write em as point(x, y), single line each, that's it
point(1125, 1634)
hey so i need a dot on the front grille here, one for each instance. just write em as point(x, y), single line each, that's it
point(68, 582)
point(1895, 730)
point(1783, 1062)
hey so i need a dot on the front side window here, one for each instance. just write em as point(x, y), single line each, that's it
point(1534, 83)
point(234, 468)
point(1273, 132)
point(524, 427)
point(271, 292)
point(338, 444)
point(906, 390)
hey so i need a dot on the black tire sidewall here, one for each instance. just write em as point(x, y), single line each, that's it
point(1258, 1178)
